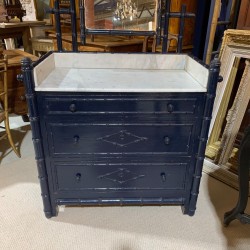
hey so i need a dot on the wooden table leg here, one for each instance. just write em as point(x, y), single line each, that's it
point(27, 45)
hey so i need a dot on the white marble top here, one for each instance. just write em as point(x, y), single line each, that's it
point(81, 72)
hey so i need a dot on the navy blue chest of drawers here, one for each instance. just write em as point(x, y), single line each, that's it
point(119, 148)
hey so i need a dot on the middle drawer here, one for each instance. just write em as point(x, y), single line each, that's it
point(78, 139)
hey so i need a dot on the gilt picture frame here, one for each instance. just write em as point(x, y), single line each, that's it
point(236, 44)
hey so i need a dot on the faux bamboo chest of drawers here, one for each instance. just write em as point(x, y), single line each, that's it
point(119, 129)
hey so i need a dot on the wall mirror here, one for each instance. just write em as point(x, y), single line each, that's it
point(134, 15)
point(148, 18)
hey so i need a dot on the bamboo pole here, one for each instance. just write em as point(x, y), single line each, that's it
point(216, 14)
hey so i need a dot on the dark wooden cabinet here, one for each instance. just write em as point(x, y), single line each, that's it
point(132, 133)
point(143, 156)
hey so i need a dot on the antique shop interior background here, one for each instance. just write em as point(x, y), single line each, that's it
point(33, 34)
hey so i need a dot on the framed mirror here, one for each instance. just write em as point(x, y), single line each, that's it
point(121, 15)
point(145, 18)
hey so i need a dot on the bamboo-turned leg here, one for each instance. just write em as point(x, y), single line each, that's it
point(214, 69)
point(50, 206)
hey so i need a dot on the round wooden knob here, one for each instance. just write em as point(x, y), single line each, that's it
point(166, 140)
point(170, 108)
point(163, 177)
point(76, 139)
point(72, 107)
point(78, 177)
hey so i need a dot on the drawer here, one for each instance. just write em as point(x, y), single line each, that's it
point(17, 101)
point(78, 139)
point(119, 177)
point(12, 73)
point(166, 104)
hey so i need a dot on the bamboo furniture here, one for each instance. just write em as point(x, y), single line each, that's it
point(162, 11)
point(174, 25)
point(4, 112)
point(119, 128)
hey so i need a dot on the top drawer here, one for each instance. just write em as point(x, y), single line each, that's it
point(121, 103)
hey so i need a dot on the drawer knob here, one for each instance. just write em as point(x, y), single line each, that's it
point(78, 177)
point(76, 139)
point(163, 177)
point(170, 108)
point(166, 140)
point(220, 78)
point(72, 107)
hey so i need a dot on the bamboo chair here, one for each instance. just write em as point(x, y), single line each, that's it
point(4, 113)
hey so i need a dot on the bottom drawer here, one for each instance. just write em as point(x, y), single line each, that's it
point(119, 177)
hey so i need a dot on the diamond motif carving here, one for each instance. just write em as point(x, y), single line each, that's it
point(121, 176)
point(122, 138)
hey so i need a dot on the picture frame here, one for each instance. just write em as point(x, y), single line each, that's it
point(235, 116)
point(235, 46)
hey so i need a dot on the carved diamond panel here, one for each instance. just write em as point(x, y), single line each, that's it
point(122, 138)
point(121, 176)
